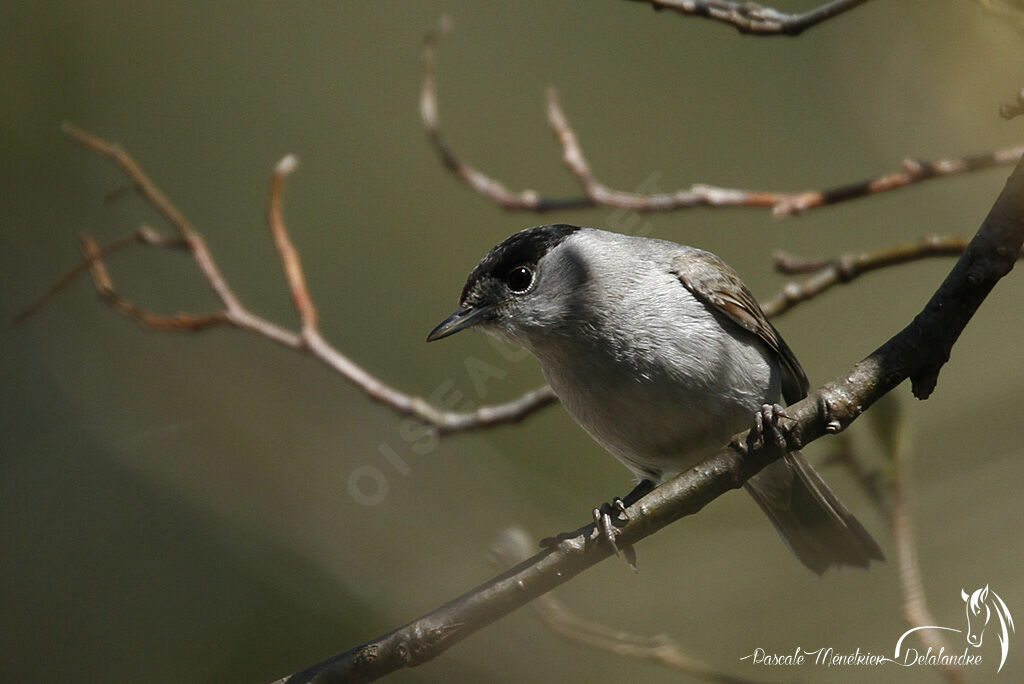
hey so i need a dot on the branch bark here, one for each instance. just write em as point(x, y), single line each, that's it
point(917, 353)
point(751, 18)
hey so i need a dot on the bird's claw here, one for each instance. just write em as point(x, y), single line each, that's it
point(605, 518)
point(766, 431)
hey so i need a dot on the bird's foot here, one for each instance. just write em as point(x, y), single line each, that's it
point(605, 518)
point(766, 431)
point(608, 517)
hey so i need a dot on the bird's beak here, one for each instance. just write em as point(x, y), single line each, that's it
point(462, 317)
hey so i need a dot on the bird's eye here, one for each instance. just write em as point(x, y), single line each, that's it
point(519, 279)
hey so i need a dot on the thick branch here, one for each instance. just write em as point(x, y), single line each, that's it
point(917, 352)
point(751, 18)
point(698, 195)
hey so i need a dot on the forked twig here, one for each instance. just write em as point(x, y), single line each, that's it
point(308, 340)
point(698, 195)
point(827, 273)
point(144, 235)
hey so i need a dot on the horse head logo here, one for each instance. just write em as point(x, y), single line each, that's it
point(981, 605)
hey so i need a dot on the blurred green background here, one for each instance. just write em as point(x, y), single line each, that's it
point(176, 507)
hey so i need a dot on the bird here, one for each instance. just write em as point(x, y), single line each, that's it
point(661, 353)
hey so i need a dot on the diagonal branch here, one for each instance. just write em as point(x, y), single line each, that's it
point(698, 195)
point(235, 314)
point(917, 353)
point(751, 18)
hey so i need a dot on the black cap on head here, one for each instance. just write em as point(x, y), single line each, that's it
point(486, 286)
point(525, 247)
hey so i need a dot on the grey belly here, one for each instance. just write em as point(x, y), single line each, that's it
point(661, 424)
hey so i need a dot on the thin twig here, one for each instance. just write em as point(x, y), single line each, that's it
point(698, 195)
point(751, 18)
point(286, 250)
point(153, 195)
point(918, 352)
point(144, 235)
point(479, 182)
point(105, 289)
point(601, 195)
point(309, 340)
point(827, 273)
point(513, 546)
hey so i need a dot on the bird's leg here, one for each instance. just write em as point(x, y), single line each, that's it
point(620, 504)
point(766, 430)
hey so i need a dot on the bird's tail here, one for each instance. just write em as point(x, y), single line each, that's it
point(812, 521)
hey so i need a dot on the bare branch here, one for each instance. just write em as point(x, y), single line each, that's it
point(751, 18)
point(105, 289)
point(917, 353)
point(697, 195)
point(601, 195)
point(513, 546)
point(827, 273)
point(479, 182)
point(309, 340)
point(152, 194)
point(289, 255)
point(144, 235)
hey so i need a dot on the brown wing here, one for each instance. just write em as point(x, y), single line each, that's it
point(718, 287)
